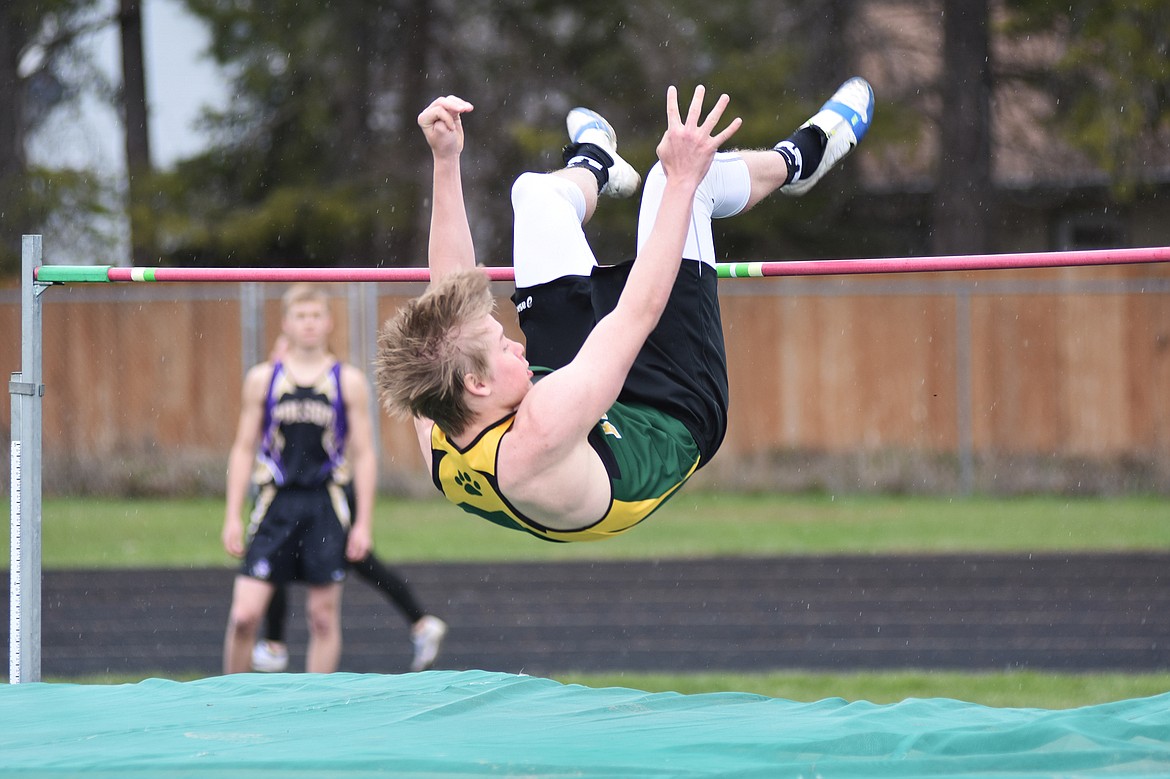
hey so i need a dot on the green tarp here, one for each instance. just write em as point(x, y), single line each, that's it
point(474, 724)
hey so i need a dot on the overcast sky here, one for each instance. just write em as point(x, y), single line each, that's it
point(179, 82)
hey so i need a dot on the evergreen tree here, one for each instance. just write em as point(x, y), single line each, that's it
point(1108, 79)
point(318, 159)
point(42, 67)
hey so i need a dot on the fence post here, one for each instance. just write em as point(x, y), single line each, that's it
point(252, 346)
point(362, 310)
point(963, 392)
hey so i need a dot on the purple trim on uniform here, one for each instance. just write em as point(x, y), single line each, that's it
point(340, 421)
point(265, 454)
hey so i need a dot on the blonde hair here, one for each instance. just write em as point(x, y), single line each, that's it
point(302, 292)
point(425, 351)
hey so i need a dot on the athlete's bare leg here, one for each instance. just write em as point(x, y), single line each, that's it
point(323, 604)
point(249, 602)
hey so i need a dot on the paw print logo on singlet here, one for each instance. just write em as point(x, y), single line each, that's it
point(468, 483)
point(607, 427)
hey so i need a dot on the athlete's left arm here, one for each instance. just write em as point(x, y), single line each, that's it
point(359, 450)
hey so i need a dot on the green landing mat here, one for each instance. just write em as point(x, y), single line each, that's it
point(475, 723)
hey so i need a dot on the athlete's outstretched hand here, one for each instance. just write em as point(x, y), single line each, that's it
point(689, 145)
point(442, 124)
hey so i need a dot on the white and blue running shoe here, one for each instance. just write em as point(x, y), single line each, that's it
point(844, 120)
point(588, 126)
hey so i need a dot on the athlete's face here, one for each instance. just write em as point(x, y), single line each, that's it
point(307, 324)
point(510, 377)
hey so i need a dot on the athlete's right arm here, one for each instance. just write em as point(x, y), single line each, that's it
point(243, 455)
point(450, 247)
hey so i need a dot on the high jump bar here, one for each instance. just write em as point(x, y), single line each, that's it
point(72, 274)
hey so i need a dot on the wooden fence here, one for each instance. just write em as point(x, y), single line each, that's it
point(966, 374)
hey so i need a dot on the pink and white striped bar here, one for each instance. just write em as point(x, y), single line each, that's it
point(64, 274)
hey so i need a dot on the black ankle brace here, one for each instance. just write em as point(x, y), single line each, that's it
point(592, 158)
point(802, 151)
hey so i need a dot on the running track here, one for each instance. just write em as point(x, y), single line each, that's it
point(993, 612)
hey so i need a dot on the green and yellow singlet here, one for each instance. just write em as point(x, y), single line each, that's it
point(647, 454)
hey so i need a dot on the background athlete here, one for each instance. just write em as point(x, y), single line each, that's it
point(270, 654)
point(304, 440)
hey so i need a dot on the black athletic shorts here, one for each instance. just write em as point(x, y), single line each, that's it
point(681, 370)
point(298, 535)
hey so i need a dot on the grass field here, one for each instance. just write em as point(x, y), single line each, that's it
point(101, 533)
point(1017, 689)
point(1012, 689)
point(93, 533)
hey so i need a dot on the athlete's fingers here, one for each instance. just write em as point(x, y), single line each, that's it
point(716, 113)
point(672, 116)
point(444, 110)
point(731, 129)
point(696, 109)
